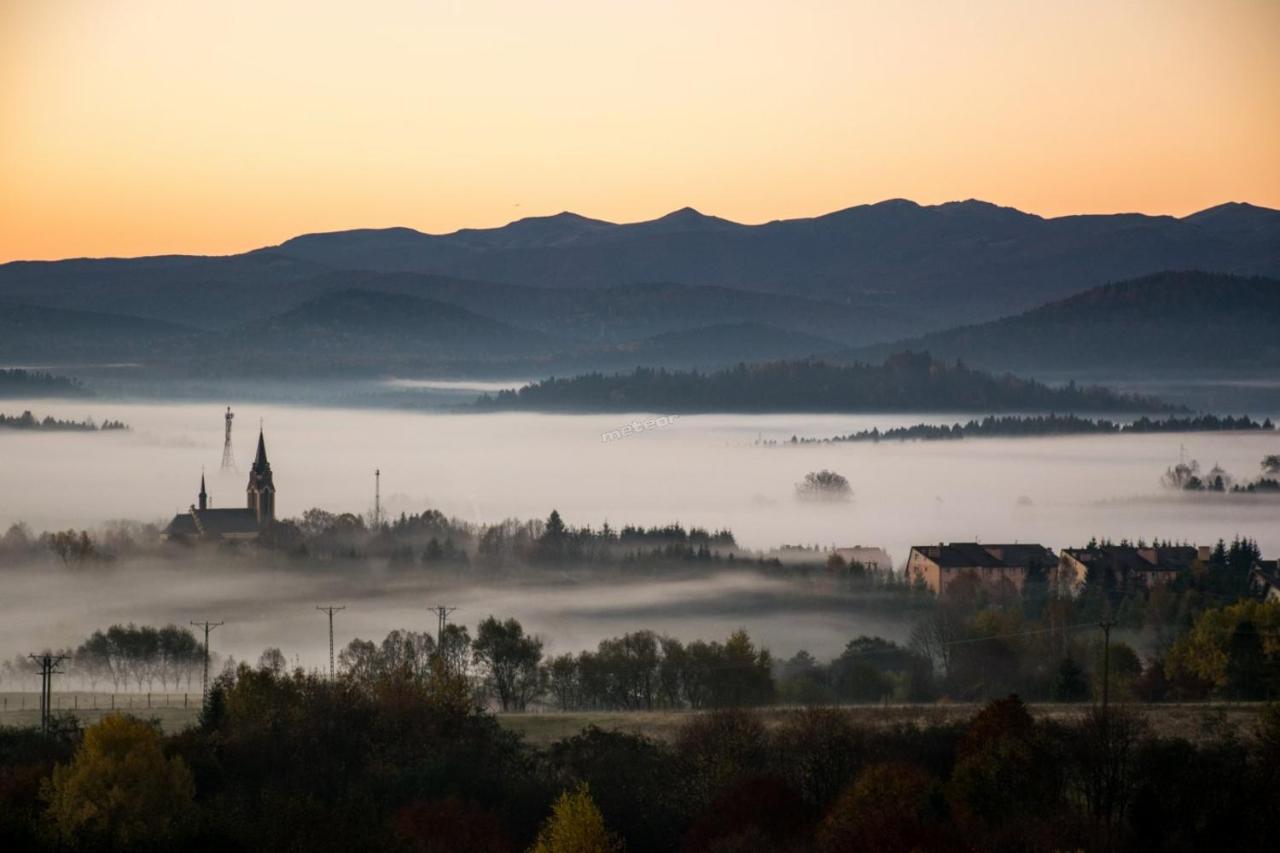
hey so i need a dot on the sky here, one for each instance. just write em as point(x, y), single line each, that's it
point(134, 127)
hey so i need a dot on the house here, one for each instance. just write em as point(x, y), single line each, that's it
point(204, 522)
point(1125, 565)
point(996, 568)
point(874, 559)
point(1264, 579)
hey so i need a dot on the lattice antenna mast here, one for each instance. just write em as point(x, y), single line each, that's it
point(377, 497)
point(228, 458)
point(330, 611)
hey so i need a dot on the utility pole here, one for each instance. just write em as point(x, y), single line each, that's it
point(1106, 625)
point(48, 668)
point(330, 611)
point(442, 614)
point(204, 689)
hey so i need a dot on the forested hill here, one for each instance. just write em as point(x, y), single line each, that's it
point(34, 383)
point(906, 382)
point(1178, 320)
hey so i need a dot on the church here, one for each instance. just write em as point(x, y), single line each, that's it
point(202, 522)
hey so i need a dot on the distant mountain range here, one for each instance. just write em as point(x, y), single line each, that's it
point(931, 266)
point(1173, 321)
point(566, 293)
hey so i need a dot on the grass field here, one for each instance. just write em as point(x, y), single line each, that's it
point(1194, 721)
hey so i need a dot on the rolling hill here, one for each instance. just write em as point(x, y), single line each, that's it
point(63, 334)
point(1192, 322)
point(905, 382)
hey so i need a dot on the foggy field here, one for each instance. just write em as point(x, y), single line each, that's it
point(1194, 721)
point(701, 470)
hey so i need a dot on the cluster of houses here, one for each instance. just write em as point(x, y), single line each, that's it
point(1004, 568)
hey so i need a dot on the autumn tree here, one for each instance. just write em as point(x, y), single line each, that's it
point(576, 826)
point(120, 790)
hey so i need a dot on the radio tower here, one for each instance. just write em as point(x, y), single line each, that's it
point(377, 498)
point(228, 458)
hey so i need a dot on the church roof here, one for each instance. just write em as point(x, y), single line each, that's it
point(213, 523)
point(182, 525)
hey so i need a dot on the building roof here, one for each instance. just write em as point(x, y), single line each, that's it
point(182, 525)
point(976, 555)
point(214, 523)
point(1128, 558)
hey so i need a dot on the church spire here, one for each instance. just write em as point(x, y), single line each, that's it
point(261, 491)
point(260, 461)
point(204, 496)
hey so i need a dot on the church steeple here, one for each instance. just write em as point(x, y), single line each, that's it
point(260, 461)
point(261, 491)
point(204, 496)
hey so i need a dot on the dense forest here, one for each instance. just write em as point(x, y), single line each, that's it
point(408, 761)
point(1053, 424)
point(17, 382)
point(904, 382)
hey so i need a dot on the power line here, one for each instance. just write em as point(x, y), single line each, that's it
point(1106, 625)
point(442, 612)
point(204, 689)
point(48, 668)
point(330, 610)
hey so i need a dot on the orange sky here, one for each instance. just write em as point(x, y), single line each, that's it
point(132, 127)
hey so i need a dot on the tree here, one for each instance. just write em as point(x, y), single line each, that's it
point(120, 790)
point(1246, 663)
point(1203, 654)
point(511, 661)
point(889, 807)
point(575, 826)
point(1069, 682)
point(272, 660)
point(561, 676)
point(1123, 669)
point(553, 544)
point(823, 485)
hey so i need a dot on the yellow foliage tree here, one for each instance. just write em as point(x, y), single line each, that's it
point(1203, 652)
point(576, 826)
point(119, 789)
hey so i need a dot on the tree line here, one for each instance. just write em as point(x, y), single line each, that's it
point(994, 426)
point(126, 657)
point(48, 423)
point(907, 381)
point(283, 760)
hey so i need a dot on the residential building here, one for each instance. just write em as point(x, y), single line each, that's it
point(1001, 568)
point(1124, 565)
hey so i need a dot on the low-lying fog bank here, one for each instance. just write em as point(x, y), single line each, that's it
point(699, 470)
point(265, 605)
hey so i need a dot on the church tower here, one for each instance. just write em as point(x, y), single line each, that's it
point(204, 496)
point(261, 490)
